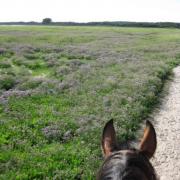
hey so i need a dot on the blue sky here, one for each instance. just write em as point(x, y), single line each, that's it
point(90, 10)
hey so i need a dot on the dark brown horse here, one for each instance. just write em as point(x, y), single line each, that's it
point(130, 163)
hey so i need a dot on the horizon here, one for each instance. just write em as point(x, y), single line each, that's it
point(39, 22)
point(83, 11)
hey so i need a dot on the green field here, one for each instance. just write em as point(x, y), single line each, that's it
point(59, 85)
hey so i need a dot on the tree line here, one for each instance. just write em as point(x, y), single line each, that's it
point(48, 21)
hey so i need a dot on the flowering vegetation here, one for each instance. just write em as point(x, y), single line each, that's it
point(59, 85)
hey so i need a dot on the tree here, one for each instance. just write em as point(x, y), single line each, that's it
point(46, 21)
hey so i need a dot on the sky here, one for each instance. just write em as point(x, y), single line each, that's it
point(90, 10)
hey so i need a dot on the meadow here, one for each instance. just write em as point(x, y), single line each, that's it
point(60, 85)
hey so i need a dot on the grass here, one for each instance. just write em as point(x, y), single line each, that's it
point(59, 85)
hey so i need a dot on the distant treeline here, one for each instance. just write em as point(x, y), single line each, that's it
point(106, 23)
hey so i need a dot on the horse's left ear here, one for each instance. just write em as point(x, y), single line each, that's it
point(109, 139)
point(148, 143)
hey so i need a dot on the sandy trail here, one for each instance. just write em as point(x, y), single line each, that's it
point(167, 124)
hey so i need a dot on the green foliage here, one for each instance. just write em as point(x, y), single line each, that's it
point(7, 82)
point(46, 21)
point(5, 64)
point(30, 84)
point(66, 82)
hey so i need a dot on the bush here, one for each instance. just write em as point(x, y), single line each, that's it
point(33, 65)
point(5, 64)
point(30, 84)
point(7, 82)
point(19, 61)
point(2, 51)
point(23, 72)
point(57, 131)
point(52, 63)
point(29, 64)
point(75, 64)
point(7, 71)
point(61, 71)
point(30, 56)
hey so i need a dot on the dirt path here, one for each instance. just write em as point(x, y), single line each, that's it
point(167, 124)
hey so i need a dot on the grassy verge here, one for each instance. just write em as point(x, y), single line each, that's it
point(58, 87)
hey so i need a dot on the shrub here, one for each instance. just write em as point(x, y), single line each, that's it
point(50, 56)
point(32, 65)
point(2, 50)
point(31, 84)
point(75, 63)
point(57, 132)
point(61, 71)
point(5, 52)
point(19, 61)
point(23, 72)
point(5, 64)
point(52, 63)
point(30, 56)
point(7, 71)
point(7, 82)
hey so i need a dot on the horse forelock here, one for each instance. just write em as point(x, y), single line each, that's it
point(127, 165)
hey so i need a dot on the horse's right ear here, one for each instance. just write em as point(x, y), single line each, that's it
point(148, 143)
point(109, 139)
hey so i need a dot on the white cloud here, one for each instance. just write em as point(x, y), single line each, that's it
point(90, 10)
